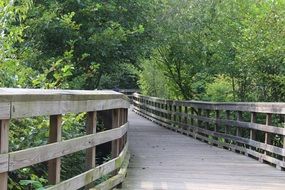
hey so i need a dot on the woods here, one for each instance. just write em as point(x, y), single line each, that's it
point(220, 48)
point(213, 50)
point(198, 50)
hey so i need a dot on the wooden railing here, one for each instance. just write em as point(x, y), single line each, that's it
point(129, 93)
point(253, 129)
point(109, 105)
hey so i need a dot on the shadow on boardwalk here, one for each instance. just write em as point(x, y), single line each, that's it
point(164, 160)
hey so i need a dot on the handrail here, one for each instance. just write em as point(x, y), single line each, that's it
point(22, 103)
point(253, 129)
point(129, 93)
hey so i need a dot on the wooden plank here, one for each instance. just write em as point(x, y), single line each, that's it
point(274, 108)
point(162, 160)
point(17, 94)
point(249, 125)
point(115, 124)
point(91, 175)
point(4, 162)
point(30, 156)
point(4, 110)
point(283, 137)
point(270, 148)
point(91, 129)
point(4, 148)
point(54, 136)
point(116, 180)
point(267, 136)
point(238, 130)
point(40, 108)
point(217, 117)
point(252, 131)
point(228, 122)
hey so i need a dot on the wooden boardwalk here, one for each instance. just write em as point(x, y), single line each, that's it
point(164, 160)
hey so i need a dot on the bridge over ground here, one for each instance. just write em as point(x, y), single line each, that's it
point(162, 159)
point(202, 145)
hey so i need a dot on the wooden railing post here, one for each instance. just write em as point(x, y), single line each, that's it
point(208, 125)
point(283, 138)
point(175, 117)
point(268, 138)
point(54, 136)
point(91, 129)
point(185, 120)
point(208, 116)
point(227, 127)
point(186, 114)
point(217, 118)
point(180, 117)
point(192, 114)
point(159, 107)
point(4, 148)
point(252, 134)
point(115, 124)
point(170, 114)
point(163, 113)
point(125, 121)
point(239, 118)
point(180, 111)
point(199, 122)
point(121, 122)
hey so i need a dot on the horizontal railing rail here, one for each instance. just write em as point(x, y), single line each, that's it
point(111, 106)
point(129, 93)
point(253, 129)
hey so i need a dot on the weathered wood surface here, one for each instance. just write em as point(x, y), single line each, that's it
point(4, 148)
point(92, 174)
point(19, 103)
point(262, 107)
point(38, 102)
point(27, 157)
point(252, 129)
point(165, 160)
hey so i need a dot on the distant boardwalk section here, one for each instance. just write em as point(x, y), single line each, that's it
point(224, 136)
point(166, 160)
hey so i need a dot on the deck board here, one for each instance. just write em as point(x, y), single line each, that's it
point(164, 160)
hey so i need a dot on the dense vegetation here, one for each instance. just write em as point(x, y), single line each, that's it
point(216, 50)
point(219, 51)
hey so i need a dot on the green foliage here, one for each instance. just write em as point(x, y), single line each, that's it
point(32, 184)
point(220, 90)
point(241, 40)
point(152, 80)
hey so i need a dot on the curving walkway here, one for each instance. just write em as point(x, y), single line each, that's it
point(164, 160)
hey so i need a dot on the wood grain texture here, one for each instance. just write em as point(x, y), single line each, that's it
point(91, 129)
point(262, 107)
point(4, 110)
point(54, 165)
point(264, 146)
point(115, 146)
point(165, 160)
point(256, 126)
point(4, 148)
point(91, 175)
point(4, 162)
point(27, 157)
point(115, 180)
point(225, 128)
point(40, 108)
point(38, 102)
